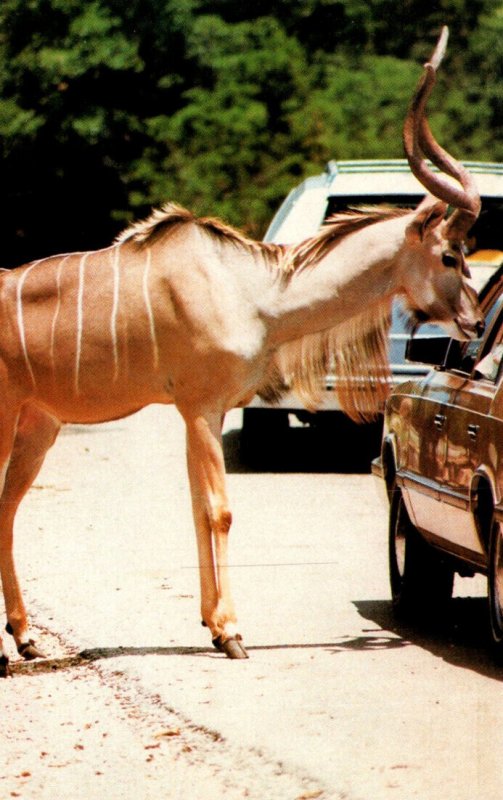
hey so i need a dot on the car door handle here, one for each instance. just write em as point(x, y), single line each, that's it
point(439, 421)
point(473, 431)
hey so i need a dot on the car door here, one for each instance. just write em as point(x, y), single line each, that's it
point(435, 465)
point(424, 467)
point(472, 435)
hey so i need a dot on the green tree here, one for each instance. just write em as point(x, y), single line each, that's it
point(229, 149)
point(484, 109)
point(358, 111)
point(63, 128)
point(108, 108)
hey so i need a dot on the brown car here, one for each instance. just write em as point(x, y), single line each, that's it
point(442, 468)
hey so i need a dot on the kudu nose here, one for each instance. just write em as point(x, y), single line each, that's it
point(480, 328)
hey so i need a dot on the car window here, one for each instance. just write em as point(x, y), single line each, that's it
point(336, 204)
point(463, 356)
point(487, 233)
point(491, 357)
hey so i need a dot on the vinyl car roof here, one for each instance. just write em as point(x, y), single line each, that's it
point(303, 210)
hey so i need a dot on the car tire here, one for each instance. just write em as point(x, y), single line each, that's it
point(421, 582)
point(495, 587)
point(357, 444)
point(261, 432)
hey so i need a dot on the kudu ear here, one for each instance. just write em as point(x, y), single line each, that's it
point(429, 213)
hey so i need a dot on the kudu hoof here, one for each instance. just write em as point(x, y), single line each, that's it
point(29, 651)
point(4, 667)
point(231, 647)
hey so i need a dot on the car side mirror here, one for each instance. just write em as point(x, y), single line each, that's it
point(431, 350)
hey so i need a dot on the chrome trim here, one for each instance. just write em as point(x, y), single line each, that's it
point(432, 488)
point(417, 483)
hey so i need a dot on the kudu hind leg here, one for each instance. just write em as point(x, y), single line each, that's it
point(8, 422)
point(35, 433)
point(212, 519)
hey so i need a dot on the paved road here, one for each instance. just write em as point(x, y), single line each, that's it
point(336, 701)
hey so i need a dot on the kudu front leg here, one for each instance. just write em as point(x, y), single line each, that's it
point(17, 619)
point(212, 519)
point(35, 433)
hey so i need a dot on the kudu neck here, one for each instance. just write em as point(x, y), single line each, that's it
point(362, 270)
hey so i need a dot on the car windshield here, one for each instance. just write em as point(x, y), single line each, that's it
point(486, 234)
point(336, 204)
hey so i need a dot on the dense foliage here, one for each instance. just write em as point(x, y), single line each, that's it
point(108, 108)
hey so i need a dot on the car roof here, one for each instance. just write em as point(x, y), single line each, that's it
point(373, 177)
point(303, 210)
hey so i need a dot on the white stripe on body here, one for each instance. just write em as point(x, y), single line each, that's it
point(20, 318)
point(80, 319)
point(58, 309)
point(115, 253)
point(148, 305)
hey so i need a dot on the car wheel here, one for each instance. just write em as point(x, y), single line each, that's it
point(495, 586)
point(357, 444)
point(421, 582)
point(261, 432)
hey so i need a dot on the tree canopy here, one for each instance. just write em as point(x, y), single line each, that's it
point(109, 108)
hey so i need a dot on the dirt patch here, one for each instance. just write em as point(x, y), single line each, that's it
point(79, 727)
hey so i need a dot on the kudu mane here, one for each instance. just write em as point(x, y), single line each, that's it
point(355, 351)
point(335, 228)
point(166, 219)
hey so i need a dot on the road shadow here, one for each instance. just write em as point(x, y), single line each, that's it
point(375, 641)
point(305, 448)
point(462, 639)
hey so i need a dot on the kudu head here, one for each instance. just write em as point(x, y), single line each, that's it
point(435, 277)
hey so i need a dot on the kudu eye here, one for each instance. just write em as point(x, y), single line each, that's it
point(449, 260)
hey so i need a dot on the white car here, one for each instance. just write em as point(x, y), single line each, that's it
point(343, 185)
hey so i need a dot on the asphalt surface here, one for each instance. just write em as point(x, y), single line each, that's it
point(336, 700)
